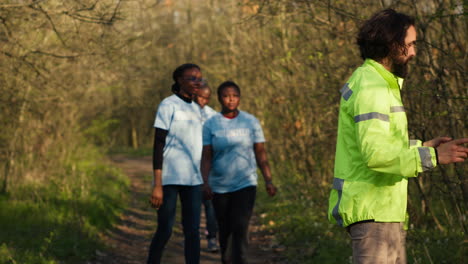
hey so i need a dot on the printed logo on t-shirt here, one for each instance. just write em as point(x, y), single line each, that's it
point(239, 132)
point(185, 116)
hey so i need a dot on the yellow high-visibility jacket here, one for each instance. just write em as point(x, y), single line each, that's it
point(374, 156)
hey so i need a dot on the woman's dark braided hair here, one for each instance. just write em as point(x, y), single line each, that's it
point(179, 72)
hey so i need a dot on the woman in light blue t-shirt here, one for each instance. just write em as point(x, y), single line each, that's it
point(233, 147)
point(176, 163)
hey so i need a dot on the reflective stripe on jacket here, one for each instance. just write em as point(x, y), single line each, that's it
point(374, 156)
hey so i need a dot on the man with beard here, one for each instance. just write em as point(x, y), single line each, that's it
point(374, 157)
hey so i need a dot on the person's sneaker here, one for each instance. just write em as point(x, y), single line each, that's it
point(212, 245)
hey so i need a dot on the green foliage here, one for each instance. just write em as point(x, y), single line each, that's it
point(99, 130)
point(60, 221)
point(5, 255)
point(299, 223)
point(427, 246)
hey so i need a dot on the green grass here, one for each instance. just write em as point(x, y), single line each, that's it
point(300, 225)
point(60, 221)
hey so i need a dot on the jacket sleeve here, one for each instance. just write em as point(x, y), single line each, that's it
point(382, 136)
point(414, 143)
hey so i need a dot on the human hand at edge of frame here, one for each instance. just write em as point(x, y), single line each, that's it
point(207, 193)
point(435, 142)
point(156, 199)
point(452, 151)
point(270, 188)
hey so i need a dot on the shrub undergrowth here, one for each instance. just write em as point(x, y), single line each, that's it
point(59, 220)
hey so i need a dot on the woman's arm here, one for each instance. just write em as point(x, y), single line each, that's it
point(205, 168)
point(156, 199)
point(160, 135)
point(262, 163)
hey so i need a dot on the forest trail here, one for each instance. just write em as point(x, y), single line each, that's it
point(128, 241)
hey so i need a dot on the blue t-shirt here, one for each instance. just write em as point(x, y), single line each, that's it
point(233, 165)
point(182, 152)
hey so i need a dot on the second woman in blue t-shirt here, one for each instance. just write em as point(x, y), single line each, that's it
point(233, 146)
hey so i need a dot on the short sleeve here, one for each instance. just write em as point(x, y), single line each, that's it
point(258, 136)
point(207, 134)
point(164, 116)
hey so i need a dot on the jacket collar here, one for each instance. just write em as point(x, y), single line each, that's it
point(394, 81)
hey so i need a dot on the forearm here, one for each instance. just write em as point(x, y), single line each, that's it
point(265, 169)
point(159, 143)
point(158, 147)
point(406, 162)
point(262, 162)
point(157, 178)
point(206, 163)
point(205, 170)
point(157, 194)
point(386, 151)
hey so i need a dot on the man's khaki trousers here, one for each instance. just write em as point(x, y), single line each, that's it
point(378, 243)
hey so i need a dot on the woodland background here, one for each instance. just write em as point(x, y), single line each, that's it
point(80, 79)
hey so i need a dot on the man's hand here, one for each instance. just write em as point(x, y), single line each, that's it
point(156, 199)
point(436, 142)
point(452, 152)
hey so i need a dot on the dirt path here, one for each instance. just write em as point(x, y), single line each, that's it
point(129, 240)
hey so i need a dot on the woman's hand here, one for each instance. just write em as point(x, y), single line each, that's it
point(156, 199)
point(270, 188)
point(207, 193)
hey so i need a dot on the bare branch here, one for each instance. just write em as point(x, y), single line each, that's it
point(31, 65)
point(97, 20)
point(20, 5)
point(51, 22)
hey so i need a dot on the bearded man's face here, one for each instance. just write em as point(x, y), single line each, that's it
point(402, 55)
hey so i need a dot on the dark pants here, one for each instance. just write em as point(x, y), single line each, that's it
point(233, 211)
point(190, 198)
point(211, 225)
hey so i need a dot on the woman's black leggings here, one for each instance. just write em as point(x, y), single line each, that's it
point(233, 211)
